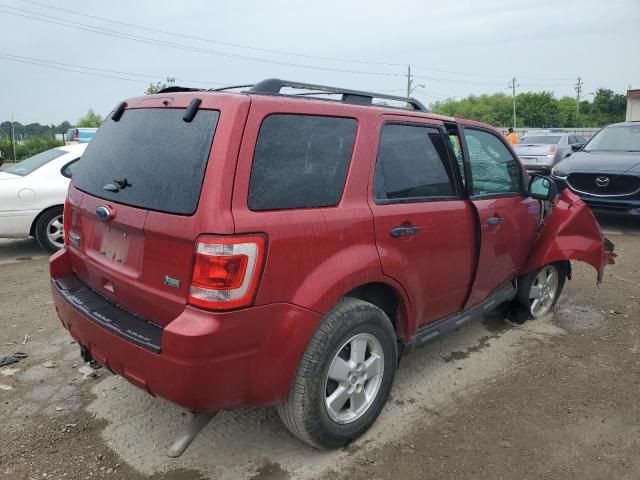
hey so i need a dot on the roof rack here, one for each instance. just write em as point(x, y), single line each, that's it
point(230, 87)
point(176, 88)
point(274, 85)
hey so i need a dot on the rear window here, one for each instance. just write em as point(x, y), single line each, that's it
point(31, 164)
point(542, 139)
point(300, 161)
point(161, 157)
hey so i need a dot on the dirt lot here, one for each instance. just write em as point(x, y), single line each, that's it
point(553, 398)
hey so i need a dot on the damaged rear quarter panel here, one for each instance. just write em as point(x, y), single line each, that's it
point(571, 232)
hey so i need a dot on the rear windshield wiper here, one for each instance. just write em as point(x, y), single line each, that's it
point(120, 184)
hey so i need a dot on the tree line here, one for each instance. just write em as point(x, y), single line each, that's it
point(34, 138)
point(533, 109)
point(538, 109)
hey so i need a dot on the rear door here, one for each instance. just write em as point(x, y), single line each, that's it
point(424, 228)
point(508, 217)
point(147, 185)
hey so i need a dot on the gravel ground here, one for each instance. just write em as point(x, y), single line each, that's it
point(553, 398)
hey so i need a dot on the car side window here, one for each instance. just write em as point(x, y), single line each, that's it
point(572, 140)
point(300, 161)
point(494, 171)
point(412, 165)
point(69, 168)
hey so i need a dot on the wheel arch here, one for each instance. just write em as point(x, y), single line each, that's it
point(388, 299)
point(355, 271)
point(32, 229)
point(571, 232)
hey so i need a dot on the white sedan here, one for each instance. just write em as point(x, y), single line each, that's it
point(32, 195)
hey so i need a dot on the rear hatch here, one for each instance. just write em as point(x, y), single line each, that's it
point(144, 172)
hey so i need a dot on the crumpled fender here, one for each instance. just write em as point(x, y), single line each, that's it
point(571, 232)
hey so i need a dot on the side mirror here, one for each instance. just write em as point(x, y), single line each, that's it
point(576, 147)
point(542, 188)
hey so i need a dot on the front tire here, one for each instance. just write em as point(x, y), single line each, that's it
point(539, 291)
point(344, 378)
point(49, 230)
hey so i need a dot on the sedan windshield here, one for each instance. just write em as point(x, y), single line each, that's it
point(28, 165)
point(541, 140)
point(615, 139)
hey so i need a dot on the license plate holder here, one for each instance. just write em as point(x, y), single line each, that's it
point(115, 245)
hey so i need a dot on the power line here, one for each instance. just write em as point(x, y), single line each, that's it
point(267, 50)
point(153, 41)
point(143, 75)
point(70, 67)
point(482, 83)
point(218, 42)
point(2, 57)
point(451, 72)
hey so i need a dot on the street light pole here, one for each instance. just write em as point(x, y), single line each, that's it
point(13, 140)
point(513, 94)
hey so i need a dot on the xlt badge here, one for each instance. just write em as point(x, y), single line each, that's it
point(171, 282)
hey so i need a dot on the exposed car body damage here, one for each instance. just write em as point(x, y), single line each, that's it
point(571, 232)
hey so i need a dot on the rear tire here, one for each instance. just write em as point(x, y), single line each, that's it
point(49, 230)
point(344, 377)
point(539, 291)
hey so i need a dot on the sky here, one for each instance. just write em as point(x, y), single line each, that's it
point(456, 48)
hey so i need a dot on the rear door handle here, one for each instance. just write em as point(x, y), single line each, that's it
point(495, 220)
point(404, 231)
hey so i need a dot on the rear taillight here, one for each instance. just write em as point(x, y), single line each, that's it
point(226, 272)
point(76, 136)
point(66, 220)
point(552, 151)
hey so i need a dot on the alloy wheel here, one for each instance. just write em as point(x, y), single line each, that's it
point(354, 378)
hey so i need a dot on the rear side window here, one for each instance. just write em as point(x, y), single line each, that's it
point(161, 157)
point(69, 168)
point(412, 165)
point(300, 161)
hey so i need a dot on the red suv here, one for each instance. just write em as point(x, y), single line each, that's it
point(264, 248)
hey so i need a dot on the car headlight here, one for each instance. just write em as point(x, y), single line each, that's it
point(555, 172)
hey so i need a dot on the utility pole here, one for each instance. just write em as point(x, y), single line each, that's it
point(513, 84)
point(578, 88)
point(13, 140)
point(409, 81)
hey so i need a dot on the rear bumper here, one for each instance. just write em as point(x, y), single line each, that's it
point(206, 360)
point(538, 163)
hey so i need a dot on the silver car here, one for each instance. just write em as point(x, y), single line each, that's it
point(541, 150)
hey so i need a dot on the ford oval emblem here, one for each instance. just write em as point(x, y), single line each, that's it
point(104, 213)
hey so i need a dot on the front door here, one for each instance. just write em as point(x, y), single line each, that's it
point(508, 218)
point(424, 228)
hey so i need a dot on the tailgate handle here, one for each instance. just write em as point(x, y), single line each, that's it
point(404, 231)
point(495, 220)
